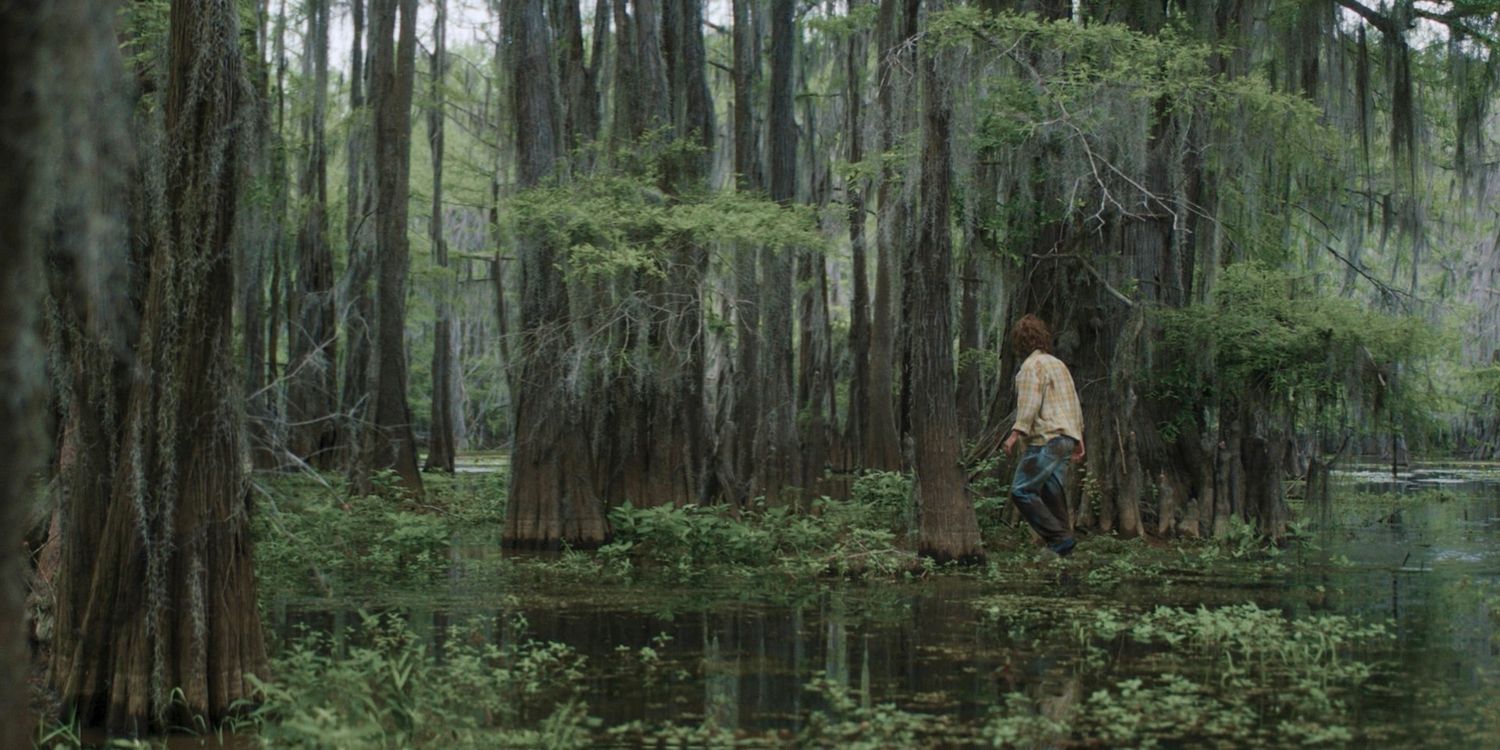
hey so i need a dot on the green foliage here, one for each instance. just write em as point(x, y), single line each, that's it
point(858, 19)
point(144, 39)
point(1262, 336)
point(879, 499)
point(1478, 390)
point(846, 538)
point(1060, 81)
point(1136, 713)
point(850, 723)
point(314, 537)
point(1240, 539)
point(1260, 645)
point(1015, 723)
point(368, 539)
point(684, 542)
point(385, 689)
point(1237, 674)
point(614, 223)
point(986, 361)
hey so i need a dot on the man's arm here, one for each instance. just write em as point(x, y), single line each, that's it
point(1028, 404)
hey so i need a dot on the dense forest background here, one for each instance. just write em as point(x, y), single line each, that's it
point(753, 246)
point(662, 253)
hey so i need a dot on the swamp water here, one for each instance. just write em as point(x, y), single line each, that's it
point(1380, 629)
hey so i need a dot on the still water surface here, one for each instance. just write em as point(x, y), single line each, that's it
point(957, 645)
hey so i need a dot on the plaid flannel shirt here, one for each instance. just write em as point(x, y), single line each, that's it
point(1046, 402)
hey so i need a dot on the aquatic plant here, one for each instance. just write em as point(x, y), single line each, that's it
point(849, 722)
point(383, 688)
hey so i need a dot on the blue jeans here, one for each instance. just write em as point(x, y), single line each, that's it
point(1037, 489)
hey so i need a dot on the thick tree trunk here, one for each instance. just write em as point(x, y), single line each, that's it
point(552, 500)
point(33, 35)
point(388, 441)
point(354, 172)
point(740, 463)
point(679, 422)
point(814, 365)
point(970, 387)
point(580, 89)
point(949, 527)
point(312, 363)
point(627, 109)
point(258, 231)
point(857, 426)
point(161, 566)
point(814, 353)
point(274, 415)
point(357, 307)
point(442, 444)
point(777, 454)
point(1265, 468)
point(652, 86)
point(655, 453)
point(883, 441)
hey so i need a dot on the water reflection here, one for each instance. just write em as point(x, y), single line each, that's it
point(938, 647)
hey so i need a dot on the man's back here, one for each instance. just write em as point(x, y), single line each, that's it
point(1046, 400)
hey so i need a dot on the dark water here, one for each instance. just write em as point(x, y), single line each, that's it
point(956, 645)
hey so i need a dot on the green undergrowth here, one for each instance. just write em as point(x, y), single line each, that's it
point(384, 686)
point(315, 537)
point(862, 536)
point(1117, 676)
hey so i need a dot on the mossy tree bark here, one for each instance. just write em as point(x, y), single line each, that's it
point(654, 450)
point(738, 466)
point(156, 592)
point(388, 441)
point(949, 526)
point(579, 72)
point(552, 498)
point(678, 422)
point(895, 30)
point(312, 362)
point(816, 405)
point(359, 202)
point(32, 37)
point(257, 236)
point(271, 410)
point(777, 453)
point(442, 444)
point(858, 425)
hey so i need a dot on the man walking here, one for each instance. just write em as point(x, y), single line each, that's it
point(1049, 421)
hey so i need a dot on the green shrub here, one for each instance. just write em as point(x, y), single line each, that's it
point(885, 497)
point(316, 544)
point(836, 537)
point(387, 690)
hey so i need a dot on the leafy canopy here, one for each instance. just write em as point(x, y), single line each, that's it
point(1262, 334)
point(615, 222)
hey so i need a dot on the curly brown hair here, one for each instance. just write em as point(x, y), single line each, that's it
point(1030, 334)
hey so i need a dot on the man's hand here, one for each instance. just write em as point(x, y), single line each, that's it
point(1010, 443)
point(1078, 451)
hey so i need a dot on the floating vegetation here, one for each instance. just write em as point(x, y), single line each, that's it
point(697, 627)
